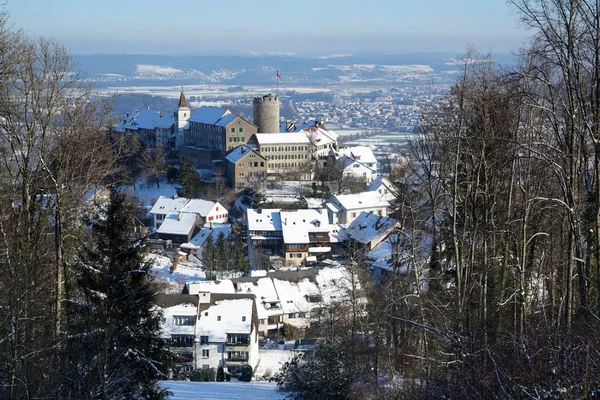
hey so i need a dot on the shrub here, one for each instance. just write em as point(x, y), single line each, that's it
point(203, 375)
point(245, 373)
point(220, 374)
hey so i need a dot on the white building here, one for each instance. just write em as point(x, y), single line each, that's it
point(386, 189)
point(268, 305)
point(211, 212)
point(369, 229)
point(227, 334)
point(358, 161)
point(345, 208)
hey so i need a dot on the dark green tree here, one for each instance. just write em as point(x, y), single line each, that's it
point(114, 348)
point(208, 257)
point(189, 179)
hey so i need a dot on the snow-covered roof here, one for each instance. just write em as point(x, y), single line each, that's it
point(267, 301)
point(335, 284)
point(168, 327)
point(294, 297)
point(226, 316)
point(209, 115)
point(198, 206)
point(165, 205)
point(177, 223)
point(281, 138)
point(362, 154)
point(239, 152)
point(146, 119)
point(226, 120)
point(367, 227)
point(358, 200)
point(296, 225)
point(200, 238)
point(263, 219)
point(382, 181)
point(221, 287)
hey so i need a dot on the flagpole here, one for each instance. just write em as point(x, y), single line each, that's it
point(277, 77)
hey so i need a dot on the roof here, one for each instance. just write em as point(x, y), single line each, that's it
point(227, 119)
point(362, 154)
point(294, 297)
point(358, 200)
point(383, 181)
point(200, 238)
point(169, 300)
point(281, 138)
point(177, 223)
point(239, 152)
point(226, 316)
point(223, 287)
point(146, 119)
point(182, 101)
point(267, 301)
point(368, 226)
point(165, 205)
point(263, 219)
point(199, 206)
point(296, 225)
point(209, 115)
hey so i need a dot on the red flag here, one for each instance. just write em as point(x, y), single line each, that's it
point(278, 74)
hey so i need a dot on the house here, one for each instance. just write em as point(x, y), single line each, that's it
point(358, 162)
point(210, 212)
point(179, 227)
point(288, 237)
point(178, 327)
point(245, 167)
point(156, 128)
point(386, 189)
point(368, 230)
point(322, 140)
point(198, 242)
point(345, 208)
point(213, 131)
point(204, 289)
point(268, 305)
point(227, 333)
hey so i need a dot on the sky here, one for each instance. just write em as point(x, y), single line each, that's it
point(271, 26)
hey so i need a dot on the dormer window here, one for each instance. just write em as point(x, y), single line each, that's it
point(218, 317)
point(244, 318)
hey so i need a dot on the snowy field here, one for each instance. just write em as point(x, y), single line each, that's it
point(183, 390)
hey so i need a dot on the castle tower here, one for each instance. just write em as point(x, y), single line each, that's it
point(183, 112)
point(266, 113)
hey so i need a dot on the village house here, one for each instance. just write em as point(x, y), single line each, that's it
point(210, 212)
point(227, 333)
point(386, 189)
point(345, 208)
point(178, 327)
point(368, 230)
point(358, 162)
point(245, 167)
point(268, 305)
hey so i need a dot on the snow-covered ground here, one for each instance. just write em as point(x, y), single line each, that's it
point(148, 194)
point(270, 362)
point(184, 272)
point(234, 390)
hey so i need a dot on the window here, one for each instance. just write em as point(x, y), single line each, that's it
point(182, 340)
point(238, 339)
point(218, 317)
point(241, 130)
point(232, 130)
point(262, 164)
point(180, 320)
point(244, 318)
point(255, 163)
point(205, 353)
point(203, 339)
point(291, 315)
point(301, 315)
point(206, 313)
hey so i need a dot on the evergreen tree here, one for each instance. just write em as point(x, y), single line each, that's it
point(222, 253)
point(189, 180)
point(114, 344)
point(208, 255)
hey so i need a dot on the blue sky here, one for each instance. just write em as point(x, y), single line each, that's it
point(268, 26)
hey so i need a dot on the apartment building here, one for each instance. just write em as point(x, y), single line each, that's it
point(285, 152)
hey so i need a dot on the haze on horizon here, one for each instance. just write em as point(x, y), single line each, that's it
point(263, 26)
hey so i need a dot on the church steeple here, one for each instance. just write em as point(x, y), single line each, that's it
point(182, 100)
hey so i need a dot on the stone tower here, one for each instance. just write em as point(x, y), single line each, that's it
point(265, 113)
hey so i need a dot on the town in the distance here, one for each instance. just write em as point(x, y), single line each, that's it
point(255, 226)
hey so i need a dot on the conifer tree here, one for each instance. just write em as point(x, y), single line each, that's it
point(189, 179)
point(114, 340)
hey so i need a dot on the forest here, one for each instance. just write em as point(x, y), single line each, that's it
point(496, 288)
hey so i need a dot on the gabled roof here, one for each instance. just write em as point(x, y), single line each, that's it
point(240, 152)
point(165, 205)
point(223, 287)
point(177, 223)
point(281, 138)
point(209, 115)
point(226, 316)
point(182, 101)
point(263, 219)
point(383, 181)
point(199, 206)
point(362, 154)
point(146, 119)
point(296, 225)
point(358, 200)
point(367, 227)
point(267, 301)
point(227, 119)
point(202, 236)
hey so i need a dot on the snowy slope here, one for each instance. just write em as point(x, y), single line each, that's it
point(233, 390)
